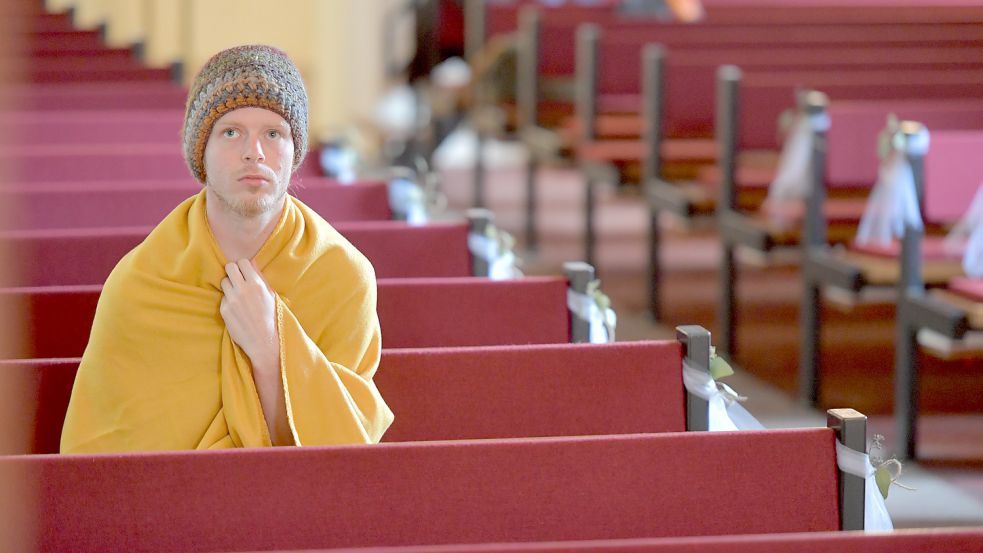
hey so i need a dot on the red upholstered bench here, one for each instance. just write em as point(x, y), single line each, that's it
point(491, 392)
point(86, 256)
point(416, 312)
point(545, 489)
point(101, 162)
point(75, 205)
point(953, 540)
point(94, 126)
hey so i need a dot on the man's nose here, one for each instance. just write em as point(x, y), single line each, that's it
point(253, 151)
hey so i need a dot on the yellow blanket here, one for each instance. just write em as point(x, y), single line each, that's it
point(161, 372)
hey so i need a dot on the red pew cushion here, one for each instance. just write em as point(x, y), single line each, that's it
point(933, 248)
point(971, 288)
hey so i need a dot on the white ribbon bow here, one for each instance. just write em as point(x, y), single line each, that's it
point(792, 178)
point(594, 307)
point(850, 461)
point(407, 200)
point(495, 247)
point(724, 409)
point(893, 202)
point(968, 234)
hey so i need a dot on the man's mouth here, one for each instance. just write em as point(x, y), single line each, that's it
point(253, 179)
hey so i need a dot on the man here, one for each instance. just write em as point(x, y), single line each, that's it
point(243, 319)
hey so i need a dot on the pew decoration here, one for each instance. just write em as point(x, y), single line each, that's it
point(793, 174)
point(496, 248)
point(414, 194)
point(339, 161)
point(724, 409)
point(894, 202)
point(594, 306)
point(886, 471)
point(491, 248)
point(850, 461)
point(967, 237)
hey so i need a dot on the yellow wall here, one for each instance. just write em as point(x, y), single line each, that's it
point(163, 37)
point(124, 22)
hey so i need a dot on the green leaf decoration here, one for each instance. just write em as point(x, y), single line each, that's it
point(883, 478)
point(719, 368)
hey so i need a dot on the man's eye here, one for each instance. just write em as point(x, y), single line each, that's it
point(273, 134)
point(231, 133)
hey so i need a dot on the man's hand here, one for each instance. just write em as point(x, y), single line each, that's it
point(249, 310)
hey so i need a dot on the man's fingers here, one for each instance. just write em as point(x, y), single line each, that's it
point(226, 287)
point(235, 275)
point(248, 270)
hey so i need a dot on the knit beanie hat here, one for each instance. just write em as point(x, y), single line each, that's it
point(244, 76)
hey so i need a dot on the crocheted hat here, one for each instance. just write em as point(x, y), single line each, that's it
point(244, 76)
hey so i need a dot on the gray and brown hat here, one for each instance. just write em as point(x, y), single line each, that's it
point(244, 76)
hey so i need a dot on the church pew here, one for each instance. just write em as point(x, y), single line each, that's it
point(454, 492)
point(947, 177)
point(414, 312)
point(93, 126)
point(119, 161)
point(749, 102)
point(927, 540)
point(686, 107)
point(78, 205)
point(75, 256)
point(851, 161)
point(493, 392)
point(555, 41)
point(952, 314)
point(102, 96)
point(854, 12)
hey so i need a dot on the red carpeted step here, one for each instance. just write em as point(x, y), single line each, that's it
point(92, 126)
point(94, 95)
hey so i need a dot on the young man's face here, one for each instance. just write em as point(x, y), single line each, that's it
point(248, 158)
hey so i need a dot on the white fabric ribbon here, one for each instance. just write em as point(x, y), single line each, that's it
point(792, 178)
point(602, 321)
point(893, 202)
point(406, 199)
point(973, 258)
point(968, 234)
point(850, 461)
point(501, 260)
point(724, 409)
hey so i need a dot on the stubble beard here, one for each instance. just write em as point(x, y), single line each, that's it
point(252, 207)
